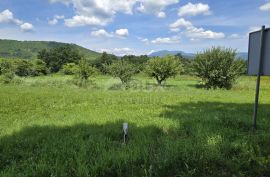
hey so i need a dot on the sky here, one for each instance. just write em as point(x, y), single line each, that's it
point(135, 26)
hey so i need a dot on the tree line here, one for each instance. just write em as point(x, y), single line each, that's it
point(217, 67)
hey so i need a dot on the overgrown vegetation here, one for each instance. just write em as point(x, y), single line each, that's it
point(217, 67)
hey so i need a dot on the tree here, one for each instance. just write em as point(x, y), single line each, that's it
point(138, 61)
point(122, 70)
point(23, 67)
point(163, 68)
point(70, 69)
point(85, 70)
point(103, 61)
point(217, 67)
point(57, 57)
point(39, 68)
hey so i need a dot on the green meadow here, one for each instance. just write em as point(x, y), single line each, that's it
point(51, 128)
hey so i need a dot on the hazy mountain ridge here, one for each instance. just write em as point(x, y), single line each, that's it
point(30, 49)
point(163, 53)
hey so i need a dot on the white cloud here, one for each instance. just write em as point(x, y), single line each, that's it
point(102, 12)
point(155, 6)
point(122, 32)
point(84, 20)
point(7, 17)
point(193, 32)
point(55, 19)
point(179, 24)
point(166, 40)
point(120, 51)
point(194, 9)
point(265, 7)
point(200, 33)
point(101, 33)
point(161, 15)
point(27, 27)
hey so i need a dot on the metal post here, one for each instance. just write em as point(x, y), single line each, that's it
point(258, 80)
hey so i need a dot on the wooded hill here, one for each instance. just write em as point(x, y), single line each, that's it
point(30, 49)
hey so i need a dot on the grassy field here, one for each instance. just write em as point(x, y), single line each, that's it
point(51, 128)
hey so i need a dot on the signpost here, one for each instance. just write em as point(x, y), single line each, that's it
point(259, 61)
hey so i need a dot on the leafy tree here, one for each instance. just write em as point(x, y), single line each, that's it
point(5, 66)
point(242, 63)
point(39, 68)
point(23, 67)
point(186, 64)
point(217, 67)
point(6, 71)
point(70, 69)
point(103, 61)
point(85, 70)
point(138, 61)
point(57, 57)
point(163, 68)
point(122, 70)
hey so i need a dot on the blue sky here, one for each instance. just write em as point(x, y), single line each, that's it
point(135, 26)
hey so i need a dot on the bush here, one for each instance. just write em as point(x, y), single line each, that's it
point(23, 67)
point(5, 66)
point(70, 69)
point(122, 70)
point(39, 68)
point(84, 72)
point(163, 68)
point(217, 67)
point(7, 77)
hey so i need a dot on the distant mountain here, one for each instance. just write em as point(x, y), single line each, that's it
point(163, 53)
point(30, 49)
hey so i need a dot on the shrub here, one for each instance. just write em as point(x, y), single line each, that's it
point(217, 67)
point(39, 68)
point(7, 77)
point(84, 72)
point(70, 69)
point(163, 68)
point(23, 67)
point(122, 70)
point(5, 66)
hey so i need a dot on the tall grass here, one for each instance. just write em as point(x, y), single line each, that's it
point(50, 127)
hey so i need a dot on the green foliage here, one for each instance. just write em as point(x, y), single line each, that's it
point(137, 61)
point(103, 61)
point(5, 66)
point(70, 69)
point(7, 77)
point(163, 68)
point(29, 49)
point(242, 64)
point(122, 70)
point(39, 68)
point(186, 64)
point(23, 67)
point(57, 57)
point(84, 72)
point(217, 67)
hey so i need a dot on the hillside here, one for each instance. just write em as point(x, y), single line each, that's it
point(30, 49)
